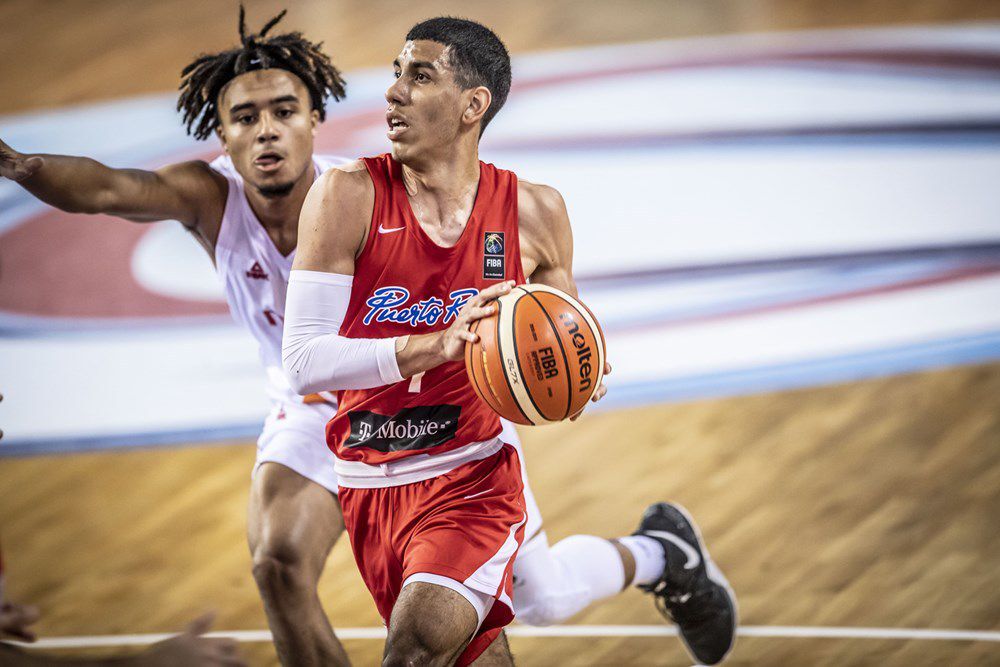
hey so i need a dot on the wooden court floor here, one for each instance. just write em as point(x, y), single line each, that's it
point(872, 504)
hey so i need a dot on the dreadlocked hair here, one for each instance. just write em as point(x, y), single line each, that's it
point(203, 80)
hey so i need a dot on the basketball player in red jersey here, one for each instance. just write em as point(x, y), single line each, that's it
point(388, 276)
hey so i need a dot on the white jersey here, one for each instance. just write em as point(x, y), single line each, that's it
point(254, 274)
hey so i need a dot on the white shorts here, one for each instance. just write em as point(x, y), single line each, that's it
point(294, 435)
point(533, 526)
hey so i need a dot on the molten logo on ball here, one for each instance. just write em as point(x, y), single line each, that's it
point(582, 350)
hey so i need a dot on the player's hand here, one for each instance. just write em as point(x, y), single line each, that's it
point(15, 166)
point(191, 648)
point(455, 337)
point(599, 394)
point(15, 619)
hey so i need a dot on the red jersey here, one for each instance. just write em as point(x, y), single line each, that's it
point(405, 283)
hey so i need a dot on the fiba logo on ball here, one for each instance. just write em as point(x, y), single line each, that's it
point(539, 357)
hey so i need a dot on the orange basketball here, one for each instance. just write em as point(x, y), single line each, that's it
point(539, 358)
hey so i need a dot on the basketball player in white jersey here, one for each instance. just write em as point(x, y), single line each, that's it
point(264, 101)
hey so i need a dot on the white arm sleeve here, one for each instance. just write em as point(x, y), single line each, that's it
point(315, 356)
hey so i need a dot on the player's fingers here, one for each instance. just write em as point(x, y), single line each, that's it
point(480, 312)
point(495, 291)
point(30, 614)
point(20, 634)
point(599, 394)
point(224, 645)
point(607, 368)
point(467, 336)
point(18, 615)
point(231, 661)
point(202, 624)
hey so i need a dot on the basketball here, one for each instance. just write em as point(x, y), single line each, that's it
point(539, 358)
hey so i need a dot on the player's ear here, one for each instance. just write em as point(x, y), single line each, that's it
point(479, 102)
point(314, 118)
point(222, 138)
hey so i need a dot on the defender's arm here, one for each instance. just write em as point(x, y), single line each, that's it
point(190, 192)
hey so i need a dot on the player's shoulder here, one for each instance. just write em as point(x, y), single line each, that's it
point(327, 161)
point(539, 204)
point(194, 168)
point(196, 177)
point(349, 178)
point(342, 195)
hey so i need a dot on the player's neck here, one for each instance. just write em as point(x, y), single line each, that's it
point(282, 211)
point(445, 177)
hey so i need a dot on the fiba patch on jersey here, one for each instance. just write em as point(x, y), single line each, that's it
point(421, 427)
point(493, 256)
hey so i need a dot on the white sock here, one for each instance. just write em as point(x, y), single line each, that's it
point(650, 560)
point(552, 584)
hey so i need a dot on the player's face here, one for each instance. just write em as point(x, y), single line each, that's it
point(267, 129)
point(425, 103)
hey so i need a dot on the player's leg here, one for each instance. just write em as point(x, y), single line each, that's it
point(293, 523)
point(551, 584)
point(664, 557)
point(457, 551)
point(497, 654)
point(294, 520)
point(430, 625)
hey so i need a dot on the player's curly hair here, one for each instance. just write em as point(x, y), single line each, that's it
point(203, 80)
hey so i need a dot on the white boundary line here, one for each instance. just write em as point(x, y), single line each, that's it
point(781, 631)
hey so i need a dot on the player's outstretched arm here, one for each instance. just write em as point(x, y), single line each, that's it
point(333, 227)
point(189, 192)
point(547, 243)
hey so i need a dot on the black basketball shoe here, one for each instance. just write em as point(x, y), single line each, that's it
point(692, 592)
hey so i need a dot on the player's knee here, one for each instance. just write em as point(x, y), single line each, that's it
point(408, 648)
point(541, 612)
point(421, 638)
point(278, 564)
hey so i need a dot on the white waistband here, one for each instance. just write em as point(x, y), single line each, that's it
point(359, 475)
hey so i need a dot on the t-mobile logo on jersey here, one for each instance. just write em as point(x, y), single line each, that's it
point(421, 427)
point(386, 304)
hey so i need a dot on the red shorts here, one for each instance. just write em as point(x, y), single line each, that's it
point(466, 525)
